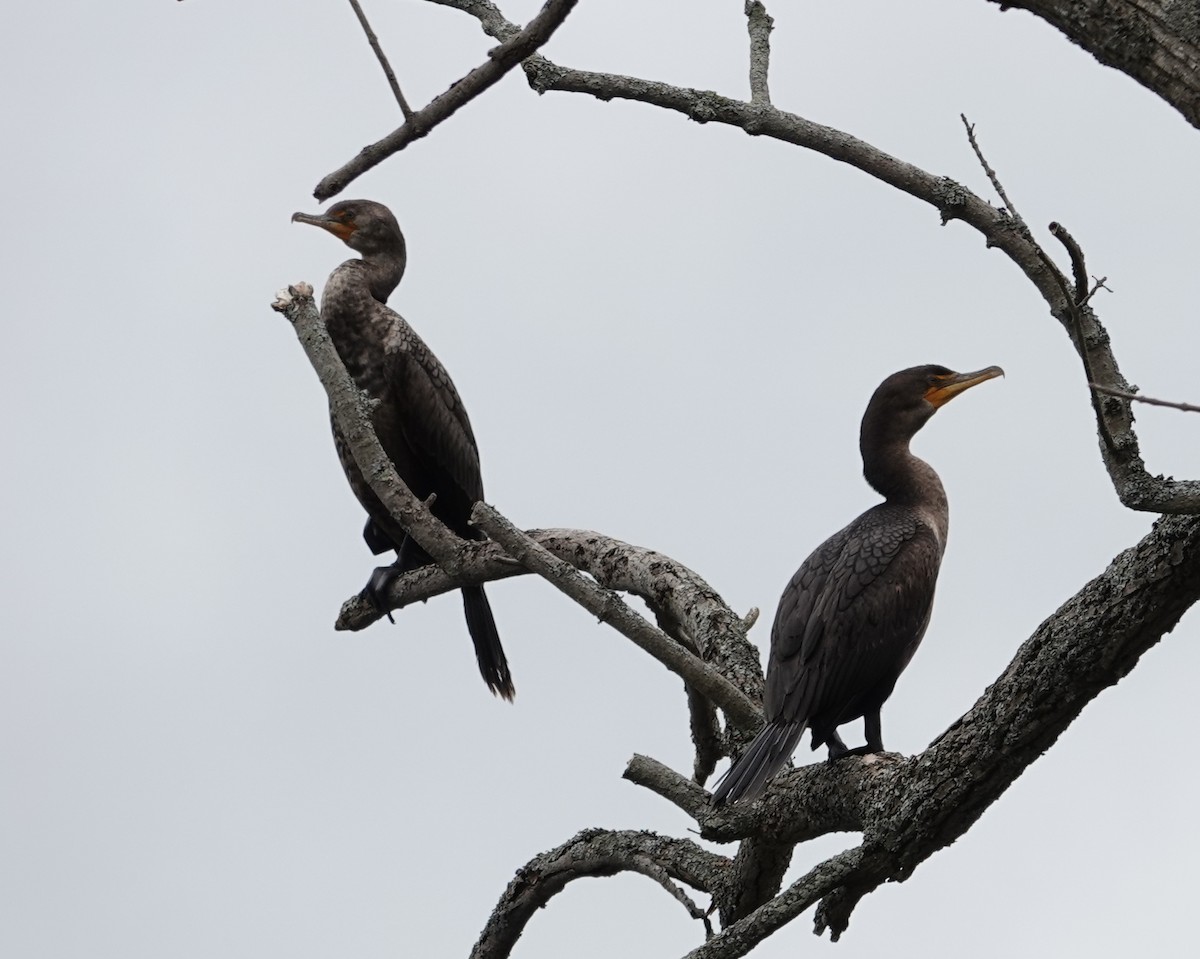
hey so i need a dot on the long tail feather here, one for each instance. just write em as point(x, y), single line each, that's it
point(764, 757)
point(493, 665)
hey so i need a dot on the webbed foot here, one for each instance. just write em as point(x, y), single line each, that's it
point(836, 754)
point(377, 587)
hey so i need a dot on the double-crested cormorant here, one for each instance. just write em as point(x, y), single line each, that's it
point(852, 616)
point(419, 417)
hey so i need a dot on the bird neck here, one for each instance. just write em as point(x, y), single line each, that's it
point(902, 478)
point(383, 272)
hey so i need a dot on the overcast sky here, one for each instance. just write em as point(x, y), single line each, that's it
point(663, 331)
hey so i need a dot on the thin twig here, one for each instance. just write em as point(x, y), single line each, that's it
point(383, 60)
point(759, 23)
point(611, 609)
point(991, 175)
point(652, 870)
point(1149, 400)
point(500, 60)
point(1099, 284)
point(1075, 308)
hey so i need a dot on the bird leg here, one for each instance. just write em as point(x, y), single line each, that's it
point(872, 726)
point(376, 539)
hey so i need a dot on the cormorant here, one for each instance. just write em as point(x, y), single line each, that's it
point(419, 417)
point(855, 611)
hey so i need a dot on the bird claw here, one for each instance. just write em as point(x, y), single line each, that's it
point(377, 587)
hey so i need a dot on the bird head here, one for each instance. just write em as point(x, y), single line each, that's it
point(906, 400)
point(363, 225)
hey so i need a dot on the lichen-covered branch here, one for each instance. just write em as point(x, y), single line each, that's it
point(759, 23)
point(593, 853)
point(609, 608)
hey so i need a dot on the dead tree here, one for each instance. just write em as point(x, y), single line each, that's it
point(905, 808)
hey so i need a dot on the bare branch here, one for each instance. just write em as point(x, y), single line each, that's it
point(1099, 284)
point(595, 852)
point(693, 799)
point(500, 61)
point(383, 60)
point(611, 609)
point(1001, 229)
point(745, 934)
point(759, 23)
point(671, 590)
point(1138, 398)
point(991, 174)
point(1078, 266)
point(1075, 317)
point(706, 735)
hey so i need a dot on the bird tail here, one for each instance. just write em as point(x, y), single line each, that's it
point(764, 757)
point(488, 652)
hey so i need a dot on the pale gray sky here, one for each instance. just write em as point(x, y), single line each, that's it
point(663, 331)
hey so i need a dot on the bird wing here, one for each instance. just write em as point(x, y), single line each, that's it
point(431, 415)
point(852, 615)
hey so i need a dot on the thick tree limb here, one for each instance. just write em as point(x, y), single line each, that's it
point(506, 56)
point(592, 853)
point(1155, 42)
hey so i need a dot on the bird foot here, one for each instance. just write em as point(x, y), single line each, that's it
point(867, 750)
point(377, 587)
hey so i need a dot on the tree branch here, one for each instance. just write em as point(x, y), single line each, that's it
point(611, 609)
point(1149, 400)
point(1122, 458)
point(991, 174)
point(500, 61)
point(691, 797)
point(670, 589)
point(595, 852)
point(759, 23)
point(383, 60)
point(739, 938)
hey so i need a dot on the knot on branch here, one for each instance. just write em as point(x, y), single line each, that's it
point(950, 197)
point(542, 75)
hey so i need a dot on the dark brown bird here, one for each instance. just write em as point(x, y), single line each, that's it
point(853, 615)
point(419, 417)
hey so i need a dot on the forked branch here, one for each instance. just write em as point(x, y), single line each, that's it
point(512, 51)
